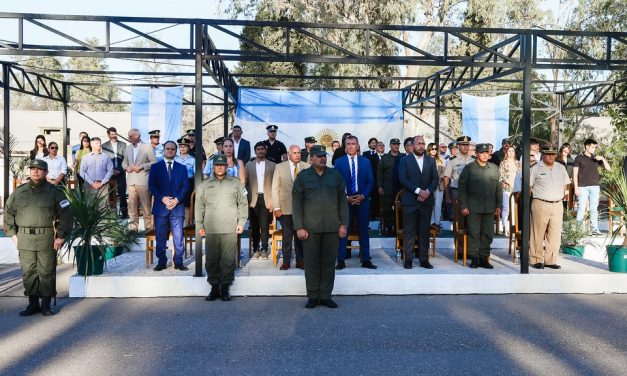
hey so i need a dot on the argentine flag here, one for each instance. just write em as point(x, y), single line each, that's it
point(485, 119)
point(157, 108)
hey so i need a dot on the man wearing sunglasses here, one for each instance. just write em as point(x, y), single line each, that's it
point(57, 166)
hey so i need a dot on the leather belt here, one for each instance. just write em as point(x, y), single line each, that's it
point(550, 202)
point(34, 230)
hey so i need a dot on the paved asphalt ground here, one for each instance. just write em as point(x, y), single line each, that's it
point(366, 335)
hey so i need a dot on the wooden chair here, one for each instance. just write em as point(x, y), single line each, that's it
point(460, 233)
point(189, 231)
point(276, 237)
point(400, 232)
point(382, 223)
point(271, 229)
point(615, 214)
point(353, 236)
point(515, 235)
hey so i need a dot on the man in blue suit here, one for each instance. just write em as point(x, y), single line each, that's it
point(242, 146)
point(168, 184)
point(357, 174)
point(418, 175)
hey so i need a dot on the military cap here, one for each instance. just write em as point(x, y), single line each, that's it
point(395, 141)
point(155, 133)
point(452, 144)
point(183, 141)
point(549, 149)
point(219, 159)
point(319, 150)
point(482, 148)
point(506, 140)
point(272, 128)
point(190, 132)
point(310, 140)
point(38, 163)
point(218, 141)
point(463, 140)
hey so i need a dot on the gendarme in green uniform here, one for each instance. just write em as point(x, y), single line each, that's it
point(319, 206)
point(481, 192)
point(30, 212)
point(221, 206)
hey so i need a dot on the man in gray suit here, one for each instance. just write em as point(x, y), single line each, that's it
point(138, 158)
point(418, 175)
point(282, 183)
point(115, 150)
point(259, 173)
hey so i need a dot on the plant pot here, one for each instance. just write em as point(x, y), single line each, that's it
point(573, 250)
point(112, 252)
point(88, 265)
point(617, 258)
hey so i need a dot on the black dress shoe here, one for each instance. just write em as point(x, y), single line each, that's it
point(340, 265)
point(537, 266)
point(328, 302)
point(159, 268)
point(311, 303)
point(425, 264)
point(213, 294)
point(554, 266)
point(408, 264)
point(484, 263)
point(368, 265)
point(181, 267)
point(474, 264)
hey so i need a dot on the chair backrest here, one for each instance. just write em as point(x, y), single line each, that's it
point(459, 221)
point(514, 207)
point(398, 210)
point(192, 202)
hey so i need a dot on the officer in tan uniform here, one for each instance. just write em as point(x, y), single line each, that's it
point(29, 216)
point(548, 181)
point(454, 168)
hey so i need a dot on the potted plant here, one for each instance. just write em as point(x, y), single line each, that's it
point(615, 188)
point(573, 232)
point(96, 231)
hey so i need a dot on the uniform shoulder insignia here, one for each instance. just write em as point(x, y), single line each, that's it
point(64, 203)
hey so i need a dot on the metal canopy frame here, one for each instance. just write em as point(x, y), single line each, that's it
point(517, 51)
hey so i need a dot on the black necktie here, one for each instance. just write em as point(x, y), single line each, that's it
point(170, 170)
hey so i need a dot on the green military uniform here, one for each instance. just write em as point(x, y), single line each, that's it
point(30, 213)
point(387, 178)
point(319, 206)
point(481, 192)
point(221, 206)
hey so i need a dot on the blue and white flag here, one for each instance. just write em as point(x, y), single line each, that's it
point(326, 115)
point(485, 119)
point(158, 108)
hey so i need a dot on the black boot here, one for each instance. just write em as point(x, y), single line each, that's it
point(475, 262)
point(214, 294)
point(46, 309)
point(485, 263)
point(225, 293)
point(33, 306)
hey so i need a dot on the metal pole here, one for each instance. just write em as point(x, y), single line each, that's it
point(437, 111)
point(64, 137)
point(560, 117)
point(526, 141)
point(7, 132)
point(226, 114)
point(198, 131)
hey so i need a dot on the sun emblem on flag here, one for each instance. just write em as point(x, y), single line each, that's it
point(326, 136)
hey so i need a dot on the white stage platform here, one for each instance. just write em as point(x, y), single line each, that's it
point(126, 276)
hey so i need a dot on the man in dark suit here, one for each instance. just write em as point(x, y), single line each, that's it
point(115, 150)
point(357, 174)
point(168, 183)
point(418, 175)
point(372, 148)
point(242, 146)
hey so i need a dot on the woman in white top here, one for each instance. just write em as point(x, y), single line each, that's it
point(40, 150)
point(432, 149)
point(235, 167)
point(508, 169)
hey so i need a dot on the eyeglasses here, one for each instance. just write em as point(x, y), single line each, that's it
point(53, 147)
point(433, 149)
point(443, 147)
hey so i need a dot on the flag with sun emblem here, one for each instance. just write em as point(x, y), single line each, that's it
point(326, 115)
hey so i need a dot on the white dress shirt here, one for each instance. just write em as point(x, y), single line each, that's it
point(236, 148)
point(136, 151)
point(420, 160)
point(56, 166)
point(260, 167)
point(356, 170)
